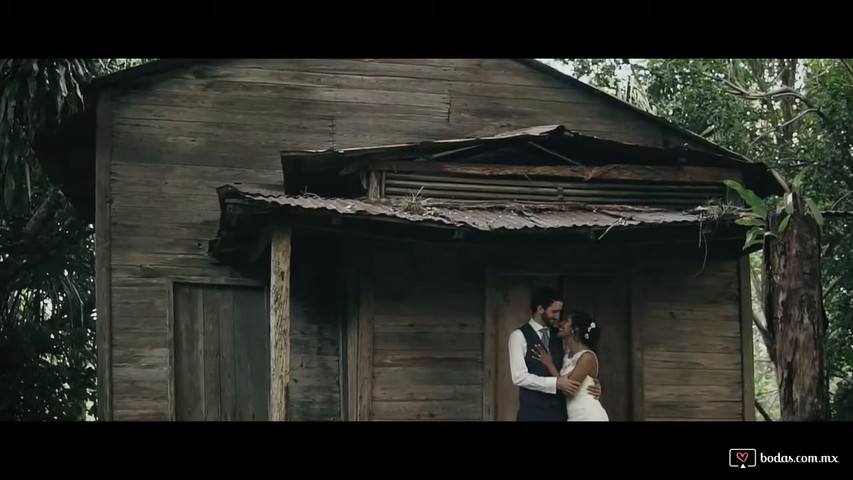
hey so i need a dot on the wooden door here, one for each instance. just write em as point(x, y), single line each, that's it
point(220, 352)
point(606, 299)
point(507, 308)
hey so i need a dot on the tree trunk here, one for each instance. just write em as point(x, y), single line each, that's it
point(793, 307)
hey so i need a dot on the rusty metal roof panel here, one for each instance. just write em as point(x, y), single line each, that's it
point(486, 217)
point(582, 149)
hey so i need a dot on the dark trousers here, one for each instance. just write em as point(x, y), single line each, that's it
point(555, 413)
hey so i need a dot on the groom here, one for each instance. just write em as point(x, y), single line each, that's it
point(539, 400)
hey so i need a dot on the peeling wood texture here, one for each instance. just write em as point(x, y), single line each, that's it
point(280, 323)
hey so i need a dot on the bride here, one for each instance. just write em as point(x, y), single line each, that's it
point(580, 337)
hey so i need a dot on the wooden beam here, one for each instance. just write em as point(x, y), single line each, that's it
point(636, 343)
point(351, 282)
point(103, 246)
point(170, 345)
point(747, 365)
point(562, 157)
point(490, 356)
point(646, 173)
point(364, 366)
point(374, 186)
point(279, 322)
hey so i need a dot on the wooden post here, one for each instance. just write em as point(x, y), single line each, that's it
point(747, 366)
point(279, 322)
point(636, 341)
point(490, 345)
point(374, 186)
point(103, 256)
point(350, 370)
point(364, 366)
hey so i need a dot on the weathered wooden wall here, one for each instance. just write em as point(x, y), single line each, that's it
point(316, 311)
point(427, 323)
point(167, 141)
point(690, 333)
point(607, 299)
point(671, 346)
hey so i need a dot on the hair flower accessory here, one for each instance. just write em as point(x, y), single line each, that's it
point(589, 329)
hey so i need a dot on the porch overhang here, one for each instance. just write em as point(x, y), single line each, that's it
point(248, 214)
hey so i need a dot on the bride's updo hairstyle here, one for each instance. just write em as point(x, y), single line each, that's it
point(585, 328)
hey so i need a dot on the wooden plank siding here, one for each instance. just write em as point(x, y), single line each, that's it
point(220, 360)
point(605, 297)
point(690, 327)
point(317, 307)
point(103, 256)
point(175, 137)
point(672, 349)
point(427, 323)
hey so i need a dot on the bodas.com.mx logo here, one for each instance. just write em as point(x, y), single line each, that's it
point(742, 457)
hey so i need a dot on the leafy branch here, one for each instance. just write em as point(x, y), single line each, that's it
point(756, 217)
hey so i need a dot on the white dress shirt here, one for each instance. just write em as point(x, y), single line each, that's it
point(518, 368)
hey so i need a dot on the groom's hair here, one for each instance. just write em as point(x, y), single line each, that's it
point(544, 297)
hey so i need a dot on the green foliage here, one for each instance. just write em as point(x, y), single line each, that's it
point(34, 94)
point(47, 335)
point(48, 353)
point(756, 217)
point(842, 402)
point(764, 374)
point(617, 77)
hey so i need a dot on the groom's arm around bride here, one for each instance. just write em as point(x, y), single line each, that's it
point(522, 378)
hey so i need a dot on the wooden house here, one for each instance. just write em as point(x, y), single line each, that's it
point(295, 239)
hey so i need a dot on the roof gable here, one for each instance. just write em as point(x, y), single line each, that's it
point(518, 93)
point(165, 65)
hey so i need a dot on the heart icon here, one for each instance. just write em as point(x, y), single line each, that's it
point(742, 456)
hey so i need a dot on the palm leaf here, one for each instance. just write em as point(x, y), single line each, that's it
point(754, 201)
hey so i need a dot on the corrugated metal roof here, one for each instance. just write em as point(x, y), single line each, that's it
point(561, 142)
point(485, 217)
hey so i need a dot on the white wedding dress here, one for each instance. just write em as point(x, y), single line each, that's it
point(583, 407)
